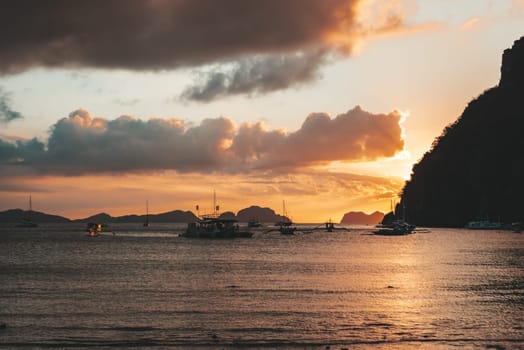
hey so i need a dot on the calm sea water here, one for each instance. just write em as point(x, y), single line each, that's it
point(152, 289)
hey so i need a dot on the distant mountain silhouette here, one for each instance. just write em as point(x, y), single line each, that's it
point(260, 214)
point(360, 218)
point(100, 218)
point(244, 215)
point(16, 215)
point(475, 169)
point(172, 216)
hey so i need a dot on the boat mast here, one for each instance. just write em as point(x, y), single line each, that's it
point(30, 204)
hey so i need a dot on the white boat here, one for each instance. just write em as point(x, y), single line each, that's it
point(483, 224)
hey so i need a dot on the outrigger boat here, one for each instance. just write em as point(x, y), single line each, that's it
point(211, 226)
point(285, 226)
point(215, 228)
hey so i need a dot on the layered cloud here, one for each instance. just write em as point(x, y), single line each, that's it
point(7, 114)
point(256, 76)
point(83, 144)
point(267, 45)
point(163, 34)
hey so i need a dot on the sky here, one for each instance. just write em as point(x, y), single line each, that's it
point(323, 104)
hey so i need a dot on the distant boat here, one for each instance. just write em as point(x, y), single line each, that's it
point(397, 228)
point(212, 226)
point(146, 223)
point(27, 222)
point(253, 223)
point(483, 224)
point(391, 227)
point(285, 226)
point(215, 228)
point(516, 226)
point(94, 229)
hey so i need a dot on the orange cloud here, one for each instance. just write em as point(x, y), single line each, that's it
point(82, 144)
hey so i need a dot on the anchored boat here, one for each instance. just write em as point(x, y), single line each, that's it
point(215, 228)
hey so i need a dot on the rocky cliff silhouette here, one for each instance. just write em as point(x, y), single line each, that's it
point(475, 169)
point(361, 218)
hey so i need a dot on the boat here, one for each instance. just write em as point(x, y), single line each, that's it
point(285, 226)
point(212, 226)
point(483, 224)
point(94, 229)
point(27, 222)
point(215, 228)
point(330, 226)
point(396, 228)
point(253, 223)
point(146, 223)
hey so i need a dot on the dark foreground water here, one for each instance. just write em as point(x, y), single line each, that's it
point(149, 288)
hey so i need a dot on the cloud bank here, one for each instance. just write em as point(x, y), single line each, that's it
point(270, 44)
point(163, 34)
point(83, 144)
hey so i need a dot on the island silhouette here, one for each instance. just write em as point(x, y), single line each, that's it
point(475, 169)
point(254, 212)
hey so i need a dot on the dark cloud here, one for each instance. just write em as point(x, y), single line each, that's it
point(257, 76)
point(81, 144)
point(162, 34)
point(168, 34)
point(6, 113)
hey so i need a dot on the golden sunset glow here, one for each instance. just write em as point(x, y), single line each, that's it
point(330, 116)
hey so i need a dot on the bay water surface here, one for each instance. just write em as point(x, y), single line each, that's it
point(149, 288)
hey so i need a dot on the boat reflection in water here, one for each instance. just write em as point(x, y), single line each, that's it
point(215, 228)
